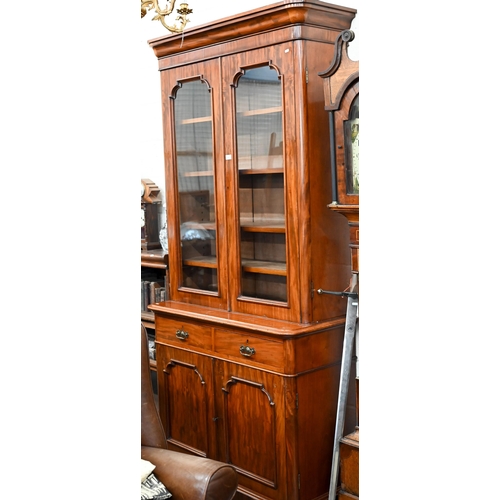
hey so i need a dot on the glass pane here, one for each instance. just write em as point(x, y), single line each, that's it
point(259, 130)
point(195, 182)
point(351, 134)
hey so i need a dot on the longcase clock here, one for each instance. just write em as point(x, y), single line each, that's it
point(341, 90)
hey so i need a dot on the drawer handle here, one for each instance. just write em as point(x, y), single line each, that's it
point(181, 334)
point(247, 351)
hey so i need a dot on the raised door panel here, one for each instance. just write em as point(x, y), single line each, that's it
point(251, 404)
point(194, 172)
point(186, 400)
point(261, 158)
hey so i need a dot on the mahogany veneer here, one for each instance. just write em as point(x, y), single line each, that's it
point(248, 354)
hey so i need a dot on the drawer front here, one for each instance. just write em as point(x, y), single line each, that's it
point(246, 348)
point(183, 333)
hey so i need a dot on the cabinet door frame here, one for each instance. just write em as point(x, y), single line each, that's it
point(171, 81)
point(264, 396)
point(281, 58)
point(174, 367)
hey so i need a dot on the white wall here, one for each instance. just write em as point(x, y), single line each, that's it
point(150, 140)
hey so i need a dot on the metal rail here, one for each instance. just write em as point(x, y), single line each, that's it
point(345, 372)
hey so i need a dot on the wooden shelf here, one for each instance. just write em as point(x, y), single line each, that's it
point(264, 267)
point(210, 262)
point(201, 173)
point(208, 226)
point(201, 119)
point(148, 319)
point(257, 227)
point(262, 111)
point(260, 171)
point(156, 259)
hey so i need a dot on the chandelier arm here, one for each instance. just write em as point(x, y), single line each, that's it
point(175, 29)
point(168, 9)
point(183, 12)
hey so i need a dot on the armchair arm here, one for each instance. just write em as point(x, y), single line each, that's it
point(192, 478)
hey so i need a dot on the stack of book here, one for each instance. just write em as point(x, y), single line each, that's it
point(152, 292)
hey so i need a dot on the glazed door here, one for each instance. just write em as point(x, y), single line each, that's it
point(185, 381)
point(250, 404)
point(260, 157)
point(195, 185)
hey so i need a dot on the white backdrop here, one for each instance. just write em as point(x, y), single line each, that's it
point(81, 123)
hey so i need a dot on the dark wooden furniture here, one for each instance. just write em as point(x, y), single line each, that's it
point(248, 353)
point(341, 94)
point(185, 476)
point(154, 266)
point(341, 97)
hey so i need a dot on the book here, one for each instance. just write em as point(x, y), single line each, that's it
point(153, 286)
point(145, 295)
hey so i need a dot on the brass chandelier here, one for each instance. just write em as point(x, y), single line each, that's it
point(161, 14)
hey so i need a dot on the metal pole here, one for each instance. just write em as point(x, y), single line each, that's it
point(349, 334)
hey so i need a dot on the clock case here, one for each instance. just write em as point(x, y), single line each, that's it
point(341, 95)
point(341, 90)
point(150, 205)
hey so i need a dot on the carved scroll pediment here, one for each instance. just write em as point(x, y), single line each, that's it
point(342, 72)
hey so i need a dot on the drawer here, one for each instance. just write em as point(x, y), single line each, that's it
point(183, 333)
point(246, 348)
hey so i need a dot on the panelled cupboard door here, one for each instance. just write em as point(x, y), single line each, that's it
point(185, 380)
point(194, 169)
point(260, 158)
point(251, 407)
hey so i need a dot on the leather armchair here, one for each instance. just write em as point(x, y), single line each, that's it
point(187, 477)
